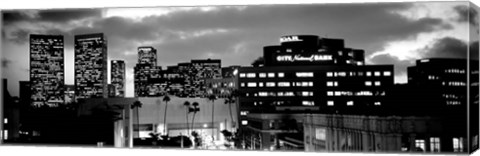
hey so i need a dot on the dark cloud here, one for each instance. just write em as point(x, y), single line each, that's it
point(400, 66)
point(447, 47)
point(20, 36)
point(6, 62)
point(467, 14)
point(53, 15)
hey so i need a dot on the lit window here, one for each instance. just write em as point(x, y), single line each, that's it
point(349, 103)
point(242, 84)
point(244, 122)
point(270, 75)
point(342, 74)
point(329, 83)
point(359, 63)
point(377, 73)
point(305, 93)
point(289, 94)
point(340, 53)
point(350, 53)
point(435, 144)
point(308, 103)
point(360, 73)
point(262, 75)
point(270, 84)
point(252, 84)
point(458, 144)
point(420, 145)
point(369, 73)
point(260, 84)
point(387, 73)
point(280, 94)
point(377, 83)
point(330, 93)
point(251, 75)
point(242, 74)
point(304, 74)
point(5, 121)
point(330, 103)
point(348, 61)
point(368, 83)
point(284, 84)
point(320, 133)
point(289, 50)
point(243, 113)
point(281, 74)
point(377, 103)
point(329, 74)
point(263, 94)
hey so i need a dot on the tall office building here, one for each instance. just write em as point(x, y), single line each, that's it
point(46, 70)
point(118, 77)
point(147, 73)
point(91, 66)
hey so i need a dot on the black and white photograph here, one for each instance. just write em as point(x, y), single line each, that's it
point(382, 77)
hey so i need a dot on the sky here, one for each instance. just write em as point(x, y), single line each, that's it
point(390, 33)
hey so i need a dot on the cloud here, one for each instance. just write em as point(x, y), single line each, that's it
point(467, 14)
point(447, 47)
point(52, 15)
point(400, 66)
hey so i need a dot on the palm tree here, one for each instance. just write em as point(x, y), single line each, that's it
point(166, 99)
point(137, 104)
point(193, 109)
point(212, 98)
point(187, 106)
point(228, 101)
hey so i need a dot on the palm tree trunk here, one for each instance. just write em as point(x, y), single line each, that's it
point(193, 120)
point(231, 116)
point(186, 112)
point(138, 123)
point(165, 119)
point(213, 110)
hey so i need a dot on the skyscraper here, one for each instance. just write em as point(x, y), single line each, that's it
point(118, 77)
point(46, 69)
point(91, 66)
point(147, 73)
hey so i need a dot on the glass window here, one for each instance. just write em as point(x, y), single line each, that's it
point(260, 84)
point(251, 75)
point(320, 133)
point(330, 93)
point(289, 94)
point(349, 103)
point(242, 75)
point(377, 83)
point(308, 103)
point(342, 74)
point(252, 84)
point(244, 122)
point(369, 73)
point(305, 93)
point(458, 144)
point(387, 73)
point(262, 75)
point(377, 73)
point(330, 103)
point(242, 84)
point(377, 103)
point(270, 84)
point(368, 83)
point(270, 75)
point(281, 74)
point(435, 144)
point(304, 74)
point(284, 84)
point(243, 113)
point(420, 145)
point(263, 94)
point(329, 83)
point(329, 74)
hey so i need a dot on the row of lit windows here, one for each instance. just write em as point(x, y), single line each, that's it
point(453, 102)
point(456, 71)
point(288, 93)
point(261, 75)
point(279, 84)
point(454, 83)
point(450, 96)
point(350, 93)
point(369, 83)
point(368, 73)
point(350, 103)
point(433, 77)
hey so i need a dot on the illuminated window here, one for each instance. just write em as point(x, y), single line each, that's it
point(243, 113)
point(350, 53)
point(359, 63)
point(284, 84)
point(330, 93)
point(289, 50)
point(368, 83)
point(458, 144)
point(308, 103)
point(342, 74)
point(377, 103)
point(377, 83)
point(252, 84)
point(348, 61)
point(260, 84)
point(5, 121)
point(263, 94)
point(320, 133)
point(244, 122)
point(330, 103)
point(329, 74)
point(360, 73)
point(281, 74)
point(435, 144)
point(270, 75)
point(242, 84)
point(251, 75)
point(387, 73)
point(304, 74)
point(377, 73)
point(262, 75)
point(369, 73)
point(340, 53)
point(349, 103)
point(270, 84)
point(304, 84)
point(305, 93)
point(289, 94)
point(420, 145)
point(242, 74)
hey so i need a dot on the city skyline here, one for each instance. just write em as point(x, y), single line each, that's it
point(237, 34)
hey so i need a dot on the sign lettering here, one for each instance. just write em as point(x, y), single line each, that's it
point(312, 58)
point(290, 39)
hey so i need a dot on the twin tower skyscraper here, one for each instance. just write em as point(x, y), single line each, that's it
point(47, 69)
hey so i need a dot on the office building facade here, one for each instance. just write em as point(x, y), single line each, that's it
point(47, 70)
point(91, 66)
point(118, 77)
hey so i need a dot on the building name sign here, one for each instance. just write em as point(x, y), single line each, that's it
point(312, 58)
point(145, 49)
point(290, 39)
